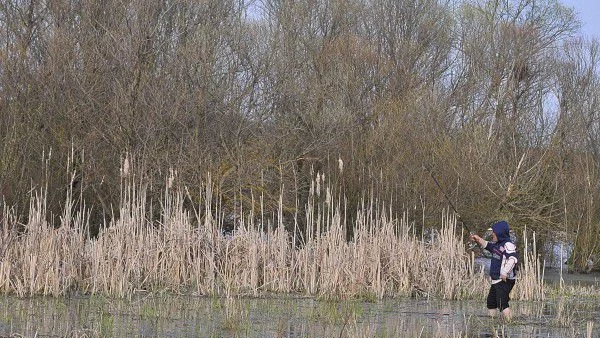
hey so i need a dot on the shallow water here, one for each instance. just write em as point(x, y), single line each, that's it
point(186, 316)
point(552, 275)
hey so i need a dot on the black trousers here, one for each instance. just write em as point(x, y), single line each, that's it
point(499, 294)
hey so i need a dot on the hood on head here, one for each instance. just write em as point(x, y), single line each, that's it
point(502, 231)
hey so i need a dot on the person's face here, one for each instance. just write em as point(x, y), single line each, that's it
point(494, 237)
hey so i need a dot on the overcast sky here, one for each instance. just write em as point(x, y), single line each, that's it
point(588, 12)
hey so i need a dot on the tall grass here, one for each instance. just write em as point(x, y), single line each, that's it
point(531, 275)
point(187, 251)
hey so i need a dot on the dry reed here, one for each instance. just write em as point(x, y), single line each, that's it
point(187, 251)
point(531, 274)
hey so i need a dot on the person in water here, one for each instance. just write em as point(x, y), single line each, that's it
point(502, 267)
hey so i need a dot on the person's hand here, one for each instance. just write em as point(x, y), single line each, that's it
point(503, 277)
point(474, 238)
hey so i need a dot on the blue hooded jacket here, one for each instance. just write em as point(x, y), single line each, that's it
point(504, 254)
point(502, 232)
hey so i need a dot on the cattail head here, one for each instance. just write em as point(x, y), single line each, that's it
point(171, 179)
point(318, 190)
point(125, 166)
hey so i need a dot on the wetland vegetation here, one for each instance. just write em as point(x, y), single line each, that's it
point(191, 252)
point(181, 275)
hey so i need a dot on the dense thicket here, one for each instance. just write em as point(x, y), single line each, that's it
point(498, 98)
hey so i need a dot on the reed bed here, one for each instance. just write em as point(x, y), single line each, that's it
point(186, 251)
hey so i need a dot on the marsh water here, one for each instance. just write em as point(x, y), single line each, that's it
point(171, 315)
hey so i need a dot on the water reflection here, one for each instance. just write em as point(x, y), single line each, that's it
point(178, 316)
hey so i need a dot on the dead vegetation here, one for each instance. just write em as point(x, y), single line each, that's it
point(188, 251)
